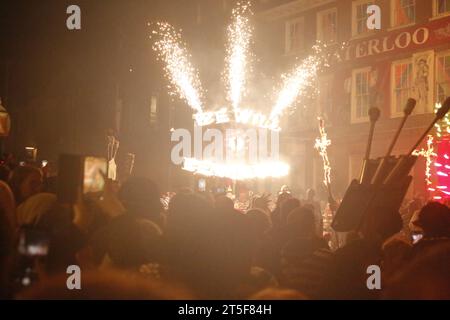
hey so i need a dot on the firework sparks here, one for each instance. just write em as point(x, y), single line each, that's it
point(239, 36)
point(428, 154)
point(322, 145)
point(182, 75)
point(237, 171)
point(294, 85)
point(185, 82)
point(443, 126)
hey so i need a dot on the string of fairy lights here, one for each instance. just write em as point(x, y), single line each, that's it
point(321, 146)
point(435, 170)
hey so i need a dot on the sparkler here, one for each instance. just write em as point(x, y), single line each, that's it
point(428, 154)
point(182, 75)
point(185, 80)
point(322, 145)
point(239, 36)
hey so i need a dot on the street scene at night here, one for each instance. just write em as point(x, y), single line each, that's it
point(242, 151)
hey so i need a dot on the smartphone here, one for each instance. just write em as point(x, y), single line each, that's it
point(30, 154)
point(33, 242)
point(416, 238)
point(80, 175)
point(95, 169)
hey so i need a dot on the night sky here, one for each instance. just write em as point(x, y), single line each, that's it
point(61, 87)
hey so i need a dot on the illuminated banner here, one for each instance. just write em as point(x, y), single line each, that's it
point(405, 39)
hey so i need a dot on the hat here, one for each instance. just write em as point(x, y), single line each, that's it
point(434, 219)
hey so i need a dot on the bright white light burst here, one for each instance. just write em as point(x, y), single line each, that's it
point(237, 171)
point(294, 85)
point(182, 75)
point(237, 60)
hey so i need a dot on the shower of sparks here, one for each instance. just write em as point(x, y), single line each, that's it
point(294, 85)
point(428, 154)
point(443, 126)
point(183, 77)
point(322, 145)
point(239, 37)
point(184, 81)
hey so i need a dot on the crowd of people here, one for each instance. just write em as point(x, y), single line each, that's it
point(129, 246)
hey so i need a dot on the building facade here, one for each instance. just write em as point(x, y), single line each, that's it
point(408, 57)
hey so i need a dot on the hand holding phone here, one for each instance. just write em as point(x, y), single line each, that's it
point(80, 175)
point(33, 242)
point(95, 170)
point(109, 202)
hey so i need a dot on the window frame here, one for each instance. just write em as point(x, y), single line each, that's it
point(287, 43)
point(353, 106)
point(436, 14)
point(392, 16)
point(153, 114)
point(394, 112)
point(445, 53)
point(319, 31)
point(355, 4)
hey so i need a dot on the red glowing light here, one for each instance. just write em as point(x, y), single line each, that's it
point(441, 175)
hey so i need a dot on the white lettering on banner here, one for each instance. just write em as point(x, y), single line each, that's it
point(399, 40)
point(425, 36)
point(388, 43)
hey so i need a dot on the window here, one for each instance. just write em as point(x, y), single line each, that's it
point(295, 37)
point(325, 97)
point(441, 7)
point(443, 76)
point(360, 95)
point(403, 12)
point(359, 17)
point(402, 85)
point(327, 26)
point(153, 111)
